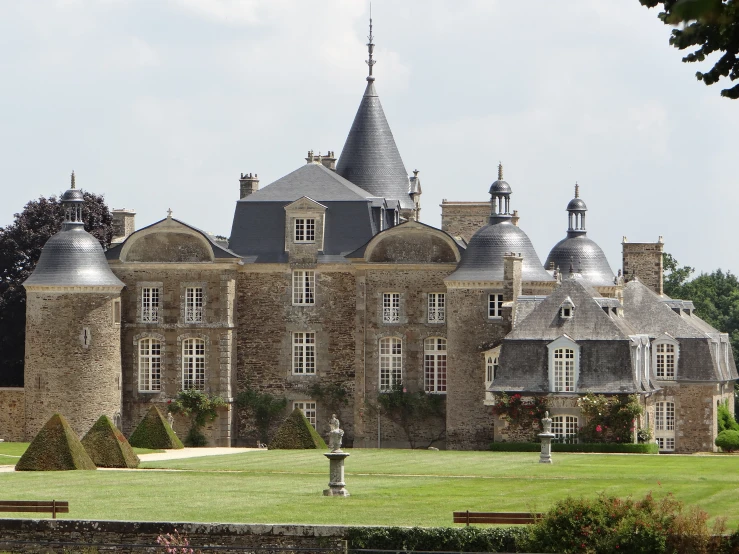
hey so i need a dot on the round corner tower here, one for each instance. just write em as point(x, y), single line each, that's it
point(73, 339)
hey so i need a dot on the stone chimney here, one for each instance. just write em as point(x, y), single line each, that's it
point(515, 217)
point(512, 275)
point(248, 184)
point(328, 160)
point(123, 224)
point(644, 260)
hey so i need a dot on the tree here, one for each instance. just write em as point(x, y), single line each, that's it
point(20, 247)
point(710, 26)
point(200, 408)
point(263, 408)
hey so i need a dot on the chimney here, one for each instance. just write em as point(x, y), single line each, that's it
point(123, 224)
point(512, 276)
point(248, 184)
point(515, 217)
point(644, 260)
point(328, 160)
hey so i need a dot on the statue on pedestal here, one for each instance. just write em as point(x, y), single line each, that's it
point(335, 434)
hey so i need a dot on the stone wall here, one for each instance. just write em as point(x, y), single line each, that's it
point(73, 359)
point(267, 320)
point(463, 219)
point(644, 260)
point(45, 535)
point(12, 414)
point(217, 329)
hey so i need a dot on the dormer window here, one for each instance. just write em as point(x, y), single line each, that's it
point(305, 229)
point(564, 365)
point(665, 353)
point(567, 308)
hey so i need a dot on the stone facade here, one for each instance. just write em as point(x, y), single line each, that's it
point(644, 261)
point(12, 414)
point(463, 219)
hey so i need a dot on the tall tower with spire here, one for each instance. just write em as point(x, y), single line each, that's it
point(370, 157)
point(73, 340)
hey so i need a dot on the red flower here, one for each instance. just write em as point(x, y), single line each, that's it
point(599, 428)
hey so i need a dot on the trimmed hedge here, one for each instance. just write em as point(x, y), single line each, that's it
point(155, 433)
point(55, 448)
point(296, 433)
point(603, 447)
point(107, 446)
point(439, 539)
point(728, 440)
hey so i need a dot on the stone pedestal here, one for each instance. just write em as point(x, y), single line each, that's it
point(546, 448)
point(336, 484)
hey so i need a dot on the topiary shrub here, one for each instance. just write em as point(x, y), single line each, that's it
point(728, 440)
point(726, 421)
point(107, 446)
point(154, 432)
point(55, 448)
point(296, 433)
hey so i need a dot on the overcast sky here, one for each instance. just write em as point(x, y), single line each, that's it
point(161, 104)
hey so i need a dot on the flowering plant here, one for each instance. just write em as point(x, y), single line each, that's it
point(174, 543)
point(608, 419)
point(518, 410)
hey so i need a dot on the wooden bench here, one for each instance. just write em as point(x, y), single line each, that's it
point(514, 518)
point(52, 507)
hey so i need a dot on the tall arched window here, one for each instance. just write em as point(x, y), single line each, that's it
point(434, 364)
point(193, 364)
point(391, 363)
point(665, 352)
point(150, 365)
point(564, 364)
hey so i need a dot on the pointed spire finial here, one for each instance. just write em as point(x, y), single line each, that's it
point(73, 179)
point(577, 190)
point(370, 48)
point(500, 171)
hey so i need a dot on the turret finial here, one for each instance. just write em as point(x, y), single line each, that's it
point(500, 171)
point(73, 179)
point(370, 48)
point(577, 190)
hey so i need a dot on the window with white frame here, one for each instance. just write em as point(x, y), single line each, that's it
point(664, 425)
point(437, 307)
point(564, 363)
point(150, 365)
point(391, 363)
point(491, 368)
point(434, 364)
point(304, 353)
point(149, 304)
point(305, 229)
point(665, 358)
point(495, 306)
point(194, 305)
point(390, 307)
point(304, 287)
point(308, 408)
point(193, 364)
point(565, 428)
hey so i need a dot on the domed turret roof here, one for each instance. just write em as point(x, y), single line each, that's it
point(500, 187)
point(585, 257)
point(576, 204)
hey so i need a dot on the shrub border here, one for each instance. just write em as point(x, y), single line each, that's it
point(602, 447)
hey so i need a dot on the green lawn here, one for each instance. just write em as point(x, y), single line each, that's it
point(10, 452)
point(388, 487)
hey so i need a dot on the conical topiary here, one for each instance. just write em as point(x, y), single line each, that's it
point(107, 446)
point(55, 448)
point(296, 433)
point(154, 432)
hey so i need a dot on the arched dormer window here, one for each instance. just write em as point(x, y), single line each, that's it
point(564, 364)
point(665, 353)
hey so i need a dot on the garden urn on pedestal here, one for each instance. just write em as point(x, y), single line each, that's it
point(336, 458)
point(546, 440)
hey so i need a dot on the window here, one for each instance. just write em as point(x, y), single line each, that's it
point(194, 305)
point(434, 364)
point(304, 353)
point(304, 287)
point(391, 363)
point(117, 311)
point(150, 365)
point(495, 306)
point(308, 408)
point(665, 360)
point(390, 307)
point(437, 307)
point(305, 229)
point(564, 370)
point(565, 429)
point(491, 368)
point(664, 425)
point(193, 364)
point(567, 308)
point(150, 305)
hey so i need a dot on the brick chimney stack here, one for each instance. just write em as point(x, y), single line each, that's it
point(248, 184)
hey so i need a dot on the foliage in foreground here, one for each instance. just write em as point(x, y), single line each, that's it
point(296, 433)
point(55, 448)
point(154, 432)
point(107, 447)
point(602, 447)
point(263, 408)
point(449, 539)
point(200, 408)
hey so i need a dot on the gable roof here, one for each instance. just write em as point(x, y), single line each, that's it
point(648, 314)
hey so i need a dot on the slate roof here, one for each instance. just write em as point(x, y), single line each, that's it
point(370, 158)
point(586, 258)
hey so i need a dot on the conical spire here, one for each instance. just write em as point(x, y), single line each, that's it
point(370, 157)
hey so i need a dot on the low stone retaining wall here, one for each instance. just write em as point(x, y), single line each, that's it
point(48, 535)
point(12, 414)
